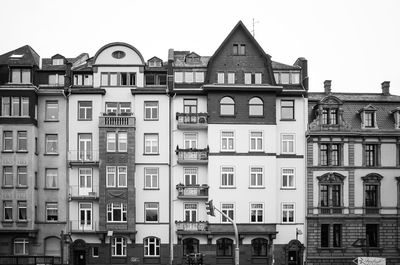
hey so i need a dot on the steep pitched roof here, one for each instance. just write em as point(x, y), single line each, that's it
point(29, 57)
point(281, 66)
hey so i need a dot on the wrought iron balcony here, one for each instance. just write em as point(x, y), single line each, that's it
point(113, 119)
point(192, 191)
point(191, 226)
point(80, 157)
point(192, 121)
point(331, 210)
point(192, 156)
point(81, 226)
point(83, 193)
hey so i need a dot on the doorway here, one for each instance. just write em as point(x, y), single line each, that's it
point(79, 257)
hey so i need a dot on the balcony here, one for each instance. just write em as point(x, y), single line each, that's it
point(372, 210)
point(331, 210)
point(192, 192)
point(83, 226)
point(117, 120)
point(192, 156)
point(192, 121)
point(201, 226)
point(79, 193)
point(83, 157)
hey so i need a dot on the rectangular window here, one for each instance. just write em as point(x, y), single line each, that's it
point(113, 79)
point(85, 147)
point(104, 79)
point(257, 78)
point(190, 212)
point(151, 178)
point(252, 78)
point(371, 195)
point(284, 78)
point(20, 76)
point(85, 110)
point(256, 141)
point(220, 78)
point(111, 175)
point(151, 110)
point(116, 212)
point(95, 252)
point(330, 154)
point(21, 246)
point(51, 143)
point(56, 80)
point(371, 155)
point(150, 80)
point(190, 106)
point(122, 141)
point(178, 77)
point(228, 141)
point(151, 211)
point(15, 109)
point(151, 144)
point(111, 142)
point(5, 106)
point(329, 116)
point(188, 77)
point(51, 178)
point(256, 212)
point(242, 49)
point(122, 176)
point(227, 177)
point(8, 179)
point(324, 235)
point(330, 197)
point(229, 210)
point(231, 78)
point(288, 179)
point(22, 176)
point(116, 176)
point(7, 141)
point(8, 210)
point(52, 212)
point(22, 141)
point(371, 234)
point(256, 177)
point(51, 110)
point(199, 77)
point(287, 109)
point(288, 213)
point(337, 235)
point(22, 213)
point(118, 247)
point(287, 143)
point(235, 49)
point(190, 176)
point(247, 78)
point(24, 106)
point(190, 140)
point(369, 119)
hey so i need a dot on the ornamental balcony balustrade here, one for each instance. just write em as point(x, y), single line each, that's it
point(371, 210)
point(83, 157)
point(192, 155)
point(113, 119)
point(77, 192)
point(80, 226)
point(192, 191)
point(191, 226)
point(331, 210)
point(192, 121)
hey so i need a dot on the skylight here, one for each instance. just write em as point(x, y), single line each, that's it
point(16, 56)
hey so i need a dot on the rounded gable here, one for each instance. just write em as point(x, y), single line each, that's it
point(118, 53)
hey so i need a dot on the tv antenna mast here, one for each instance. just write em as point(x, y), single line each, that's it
point(254, 30)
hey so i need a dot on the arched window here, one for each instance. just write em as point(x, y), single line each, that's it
point(256, 107)
point(259, 247)
point(190, 245)
point(151, 247)
point(227, 106)
point(21, 246)
point(372, 193)
point(52, 247)
point(331, 193)
point(118, 246)
point(224, 247)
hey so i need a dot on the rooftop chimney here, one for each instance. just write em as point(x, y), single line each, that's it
point(385, 88)
point(327, 86)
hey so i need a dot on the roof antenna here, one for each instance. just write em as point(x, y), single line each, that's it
point(254, 30)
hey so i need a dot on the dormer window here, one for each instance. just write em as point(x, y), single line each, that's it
point(20, 76)
point(329, 116)
point(154, 62)
point(239, 49)
point(368, 117)
point(396, 116)
point(192, 58)
point(288, 77)
point(59, 61)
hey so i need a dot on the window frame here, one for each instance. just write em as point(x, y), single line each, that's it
point(22, 141)
point(287, 211)
point(287, 107)
point(261, 244)
point(376, 232)
point(254, 106)
point(293, 174)
point(283, 141)
point(230, 104)
point(154, 177)
point(22, 175)
point(7, 204)
point(25, 246)
point(192, 213)
point(8, 141)
point(254, 212)
point(8, 175)
point(155, 242)
point(87, 110)
point(52, 206)
point(151, 207)
point(47, 144)
point(257, 179)
point(255, 139)
point(154, 110)
point(114, 246)
point(229, 171)
point(14, 71)
point(52, 104)
point(22, 206)
point(229, 211)
point(372, 157)
point(111, 206)
point(227, 138)
point(153, 143)
point(224, 247)
point(330, 154)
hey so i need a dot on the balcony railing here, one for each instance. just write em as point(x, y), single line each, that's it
point(192, 120)
point(83, 226)
point(187, 156)
point(79, 157)
point(77, 192)
point(192, 191)
point(371, 210)
point(331, 210)
point(117, 120)
point(191, 226)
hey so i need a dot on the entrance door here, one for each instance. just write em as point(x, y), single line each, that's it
point(85, 216)
point(85, 181)
point(79, 257)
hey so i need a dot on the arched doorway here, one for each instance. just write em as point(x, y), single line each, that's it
point(79, 252)
point(294, 252)
point(190, 245)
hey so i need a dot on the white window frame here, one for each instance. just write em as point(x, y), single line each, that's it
point(190, 140)
point(122, 174)
point(111, 142)
point(8, 205)
point(227, 138)
point(151, 206)
point(151, 140)
point(22, 140)
point(178, 77)
point(50, 142)
point(285, 143)
point(152, 107)
point(148, 241)
point(116, 205)
point(52, 104)
point(228, 172)
point(114, 246)
point(226, 210)
point(56, 79)
point(111, 171)
point(231, 78)
point(87, 111)
point(52, 206)
point(190, 173)
point(287, 175)
point(151, 174)
point(255, 139)
point(22, 205)
point(221, 78)
point(254, 210)
point(190, 208)
point(25, 246)
point(287, 212)
point(199, 77)
point(22, 172)
point(254, 170)
point(8, 141)
point(122, 141)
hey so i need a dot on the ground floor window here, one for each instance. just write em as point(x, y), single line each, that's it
point(21, 246)
point(224, 247)
point(259, 247)
point(190, 245)
point(118, 246)
point(151, 247)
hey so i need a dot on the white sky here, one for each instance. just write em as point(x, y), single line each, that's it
point(354, 43)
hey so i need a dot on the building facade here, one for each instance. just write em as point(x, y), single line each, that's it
point(352, 176)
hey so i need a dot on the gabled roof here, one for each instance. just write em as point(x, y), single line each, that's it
point(154, 58)
point(180, 59)
point(57, 56)
point(29, 57)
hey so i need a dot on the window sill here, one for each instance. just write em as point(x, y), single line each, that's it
point(7, 151)
point(257, 151)
point(21, 187)
point(51, 154)
point(151, 188)
point(150, 119)
point(51, 120)
point(116, 187)
point(85, 119)
point(22, 151)
point(117, 152)
point(221, 187)
point(288, 223)
point(22, 222)
point(256, 116)
point(227, 116)
point(283, 188)
point(151, 154)
point(288, 120)
point(7, 222)
point(47, 188)
point(7, 187)
point(255, 187)
point(116, 222)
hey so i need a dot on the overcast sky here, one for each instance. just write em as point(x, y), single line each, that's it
point(354, 43)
